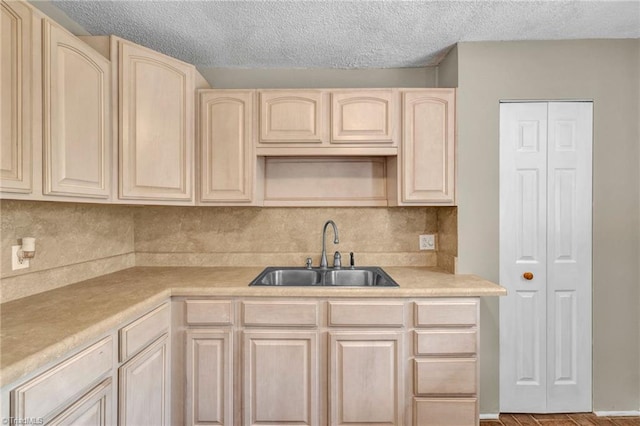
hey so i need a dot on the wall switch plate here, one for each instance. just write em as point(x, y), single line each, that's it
point(427, 242)
point(15, 262)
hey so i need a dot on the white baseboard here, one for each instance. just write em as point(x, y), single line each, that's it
point(616, 413)
point(489, 416)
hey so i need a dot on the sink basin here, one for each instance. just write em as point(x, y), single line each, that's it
point(291, 276)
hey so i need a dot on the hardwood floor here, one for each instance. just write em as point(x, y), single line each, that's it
point(579, 419)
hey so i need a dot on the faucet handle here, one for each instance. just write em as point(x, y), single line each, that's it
point(337, 260)
point(309, 262)
point(352, 260)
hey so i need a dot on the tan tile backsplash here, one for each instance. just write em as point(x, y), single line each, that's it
point(80, 241)
point(264, 236)
point(70, 237)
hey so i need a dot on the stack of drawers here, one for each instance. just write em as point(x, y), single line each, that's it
point(445, 362)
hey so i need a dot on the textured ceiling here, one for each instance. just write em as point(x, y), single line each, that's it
point(343, 34)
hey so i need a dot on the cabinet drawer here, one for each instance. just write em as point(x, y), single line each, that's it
point(54, 389)
point(280, 313)
point(213, 312)
point(445, 376)
point(381, 314)
point(143, 331)
point(445, 412)
point(446, 342)
point(449, 313)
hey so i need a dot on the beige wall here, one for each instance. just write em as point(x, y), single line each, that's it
point(234, 78)
point(74, 242)
point(608, 72)
point(246, 236)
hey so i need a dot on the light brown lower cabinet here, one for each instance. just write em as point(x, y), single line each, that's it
point(144, 387)
point(270, 361)
point(95, 408)
point(365, 378)
point(209, 372)
point(337, 362)
point(280, 378)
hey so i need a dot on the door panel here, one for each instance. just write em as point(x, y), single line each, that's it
point(156, 126)
point(569, 256)
point(280, 382)
point(77, 119)
point(15, 91)
point(523, 146)
point(365, 378)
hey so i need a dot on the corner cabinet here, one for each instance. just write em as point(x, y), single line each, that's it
point(227, 157)
point(427, 158)
point(156, 124)
point(16, 145)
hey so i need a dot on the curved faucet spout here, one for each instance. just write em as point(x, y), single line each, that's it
point(323, 258)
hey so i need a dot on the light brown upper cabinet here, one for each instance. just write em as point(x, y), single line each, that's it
point(326, 122)
point(291, 116)
point(156, 125)
point(15, 105)
point(427, 158)
point(227, 158)
point(76, 116)
point(363, 117)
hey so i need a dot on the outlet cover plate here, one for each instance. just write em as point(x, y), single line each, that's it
point(427, 242)
point(15, 262)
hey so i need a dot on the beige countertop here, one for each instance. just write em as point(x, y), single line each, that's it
point(39, 329)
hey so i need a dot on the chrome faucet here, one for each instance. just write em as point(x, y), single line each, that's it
point(323, 259)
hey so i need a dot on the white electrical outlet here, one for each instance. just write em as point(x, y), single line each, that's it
point(427, 242)
point(15, 262)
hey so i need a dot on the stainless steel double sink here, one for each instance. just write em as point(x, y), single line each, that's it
point(348, 277)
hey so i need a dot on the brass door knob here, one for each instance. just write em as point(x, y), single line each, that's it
point(527, 276)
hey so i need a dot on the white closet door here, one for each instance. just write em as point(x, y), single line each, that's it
point(569, 257)
point(545, 256)
point(523, 237)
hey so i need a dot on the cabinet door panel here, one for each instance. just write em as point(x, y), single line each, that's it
point(445, 376)
point(95, 408)
point(280, 378)
point(156, 125)
point(209, 384)
point(362, 116)
point(428, 147)
point(76, 116)
point(15, 102)
point(445, 412)
point(51, 391)
point(291, 116)
point(365, 378)
point(227, 160)
point(143, 386)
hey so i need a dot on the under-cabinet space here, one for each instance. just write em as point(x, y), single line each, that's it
point(325, 181)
